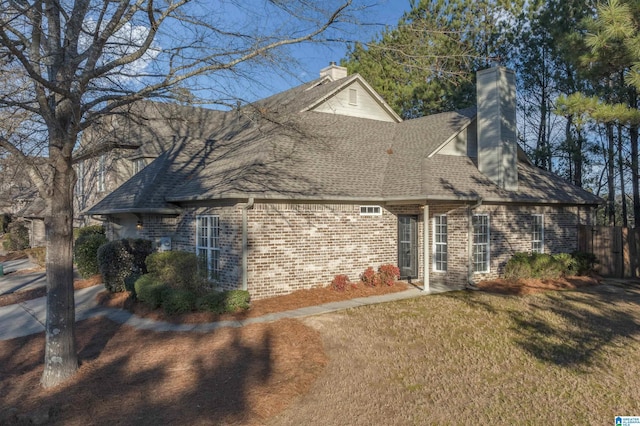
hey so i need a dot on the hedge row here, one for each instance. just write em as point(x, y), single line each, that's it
point(546, 266)
point(155, 293)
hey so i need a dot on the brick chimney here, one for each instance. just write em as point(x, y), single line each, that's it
point(497, 146)
point(333, 71)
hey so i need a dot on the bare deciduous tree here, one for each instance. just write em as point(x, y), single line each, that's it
point(77, 61)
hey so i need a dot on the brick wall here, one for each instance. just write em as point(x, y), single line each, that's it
point(510, 232)
point(296, 246)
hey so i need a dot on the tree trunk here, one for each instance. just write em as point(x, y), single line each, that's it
point(621, 173)
point(60, 357)
point(611, 198)
point(635, 178)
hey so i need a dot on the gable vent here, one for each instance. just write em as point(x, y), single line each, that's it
point(353, 97)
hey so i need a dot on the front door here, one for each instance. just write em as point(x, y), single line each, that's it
point(408, 246)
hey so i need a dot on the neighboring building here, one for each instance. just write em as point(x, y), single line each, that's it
point(19, 198)
point(326, 179)
point(121, 145)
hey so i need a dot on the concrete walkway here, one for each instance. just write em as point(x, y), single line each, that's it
point(29, 317)
point(22, 274)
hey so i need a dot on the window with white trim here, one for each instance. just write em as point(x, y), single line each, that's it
point(102, 171)
point(537, 233)
point(208, 243)
point(480, 255)
point(440, 243)
point(370, 211)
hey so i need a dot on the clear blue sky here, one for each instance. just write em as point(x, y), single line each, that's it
point(313, 57)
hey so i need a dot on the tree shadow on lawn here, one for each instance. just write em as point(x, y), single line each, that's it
point(569, 328)
point(138, 377)
point(573, 329)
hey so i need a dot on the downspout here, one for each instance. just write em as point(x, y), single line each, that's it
point(245, 243)
point(425, 248)
point(470, 283)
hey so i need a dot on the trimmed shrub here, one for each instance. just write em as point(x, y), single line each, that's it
point(37, 255)
point(585, 262)
point(177, 269)
point(178, 301)
point(18, 237)
point(88, 230)
point(567, 262)
point(120, 259)
point(150, 291)
point(85, 253)
point(545, 266)
point(220, 302)
point(340, 282)
point(388, 274)
point(518, 267)
point(5, 220)
point(368, 277)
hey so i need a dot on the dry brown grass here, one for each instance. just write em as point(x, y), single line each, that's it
point(570, 357)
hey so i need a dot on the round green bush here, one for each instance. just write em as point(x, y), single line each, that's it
point(85, 253)
point(177, 269)
point(178, 301)
point(211, 302)
point(150, 290)
point(88, 230)
point(220, 302)
point(18, 236)
point(120, 259)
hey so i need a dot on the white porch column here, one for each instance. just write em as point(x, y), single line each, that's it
point(425, 244)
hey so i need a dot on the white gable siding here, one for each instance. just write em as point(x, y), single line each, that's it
point(365, 106)
point(464, 143)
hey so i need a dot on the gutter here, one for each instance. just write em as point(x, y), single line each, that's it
point(245, 242)
point(471, 208)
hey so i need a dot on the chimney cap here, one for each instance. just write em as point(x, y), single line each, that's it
point(333, 71)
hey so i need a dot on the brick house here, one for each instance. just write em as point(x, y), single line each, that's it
point(325, 179)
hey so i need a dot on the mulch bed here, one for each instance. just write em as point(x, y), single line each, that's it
point(297, 299)
point(531, 286)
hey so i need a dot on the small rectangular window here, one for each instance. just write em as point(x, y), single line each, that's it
point(537, 233)
point(353, 97)
point(208, 244)
point(370, 211)
point(440, 243)
point(480, 254)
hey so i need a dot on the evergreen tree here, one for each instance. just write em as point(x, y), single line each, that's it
point(427, 63)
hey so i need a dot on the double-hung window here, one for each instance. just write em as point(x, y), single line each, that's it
point(440, 243)
point(208, 243)
point(537, 233)
point(480, 242)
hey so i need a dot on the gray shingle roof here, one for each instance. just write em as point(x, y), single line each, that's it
point(273, 149)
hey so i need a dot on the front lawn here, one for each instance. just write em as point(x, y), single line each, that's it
point(569, 357)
